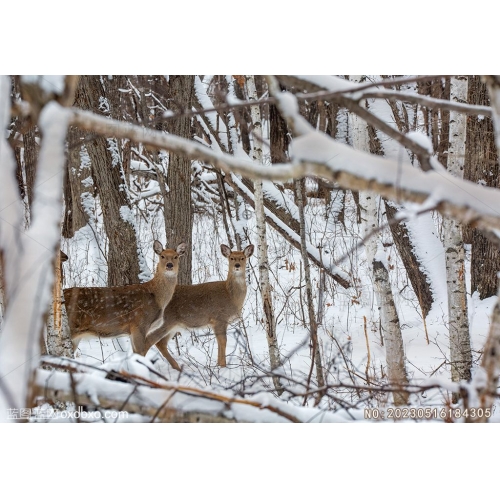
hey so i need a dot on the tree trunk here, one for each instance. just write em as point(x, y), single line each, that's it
point(389, 321)
point(76, 173)
point(279, 136)
point(111, 185)
point(391, 332)
point(30, 161)
point(265, 287)
point(460, 349)
point(481, 166)
point(401, 238)
point(58, 339)
point(178, 209)
point(313, 327)
point(419, 281)
point(436, 120)
point(486, 378)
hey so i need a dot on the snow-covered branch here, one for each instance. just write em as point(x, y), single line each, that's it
point(32, 257)
point(315, 153)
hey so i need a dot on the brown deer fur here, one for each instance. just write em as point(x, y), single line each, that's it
point(214, 304)
point(124, 310)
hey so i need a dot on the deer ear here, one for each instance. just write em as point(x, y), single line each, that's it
point(226, 251)
point(157, 247)
point(181, 248)
point(248, 250)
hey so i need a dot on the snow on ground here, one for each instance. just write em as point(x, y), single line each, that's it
point(342, 332)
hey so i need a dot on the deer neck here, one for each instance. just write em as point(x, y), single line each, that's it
point(163, 287)
point(237, 288)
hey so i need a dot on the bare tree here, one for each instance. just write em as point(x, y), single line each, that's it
point(312, 153)
point(458, 320)
point(481, 166)
point(178, 209)
point(389, 321)
point(76, 183)
point(58, 335)
point(313, 326)
point(262, 253)
point(111, 185)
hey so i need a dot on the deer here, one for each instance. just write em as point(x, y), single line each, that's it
point(129, 310)
point(214, 304)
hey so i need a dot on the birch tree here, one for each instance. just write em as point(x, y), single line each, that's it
point(312, 153)
point(389, 321)
point(313, 325)
point(458, 320)
point(262, 252)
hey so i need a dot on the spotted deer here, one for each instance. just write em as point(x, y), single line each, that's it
point(214, 304)
point(131, 310)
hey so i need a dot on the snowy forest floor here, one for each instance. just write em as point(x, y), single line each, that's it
point(350, 322)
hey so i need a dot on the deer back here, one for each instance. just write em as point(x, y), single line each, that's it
point(195, 306)
point(113, 311)
point(108, 311)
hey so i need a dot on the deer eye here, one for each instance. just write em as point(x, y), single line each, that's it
point(162, 256)
point(176, 257)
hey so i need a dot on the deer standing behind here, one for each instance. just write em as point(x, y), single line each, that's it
point(214, 304)
point(124, 310)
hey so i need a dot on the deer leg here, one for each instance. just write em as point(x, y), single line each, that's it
point(221, 336)
point(162, 347)
point(137, 337)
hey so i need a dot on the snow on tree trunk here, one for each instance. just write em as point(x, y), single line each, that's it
point(32, 255)
point(389, 321)
point(460, 348)
point(262, 253)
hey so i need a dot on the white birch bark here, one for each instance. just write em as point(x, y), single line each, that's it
point(460, 348)
point(389, 321)
point(262, 251)
point(391, 331)
point(32, 255)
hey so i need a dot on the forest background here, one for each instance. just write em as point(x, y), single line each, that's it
point(290, 441)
